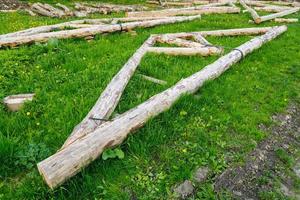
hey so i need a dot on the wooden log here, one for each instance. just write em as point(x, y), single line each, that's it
point(83, 32)
point(255, 3)
point(67, 10)
point(39, 29)
point(88, 9)
point(54, 10)
point(42, 11)
point(120, 20)
point(184, 11)
point(15, 102)
point(80, 13)
point(199, 38)
point(285, 3)
point(277, 15)
point(69, 161)
point(153, 80)
point(253, 13)
point(61, 26)
point(271, 9)
point(180, 42)
point(30, 12)
point(225, 32)
point(109, 98)
point(8, 11)
point(175, 51)
point(284, 20)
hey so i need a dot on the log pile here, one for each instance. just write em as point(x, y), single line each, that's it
point(95, 134)
point(82, 28)
point(81, 9)
point(278, 10)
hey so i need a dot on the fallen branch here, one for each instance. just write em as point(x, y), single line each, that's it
point(70, 160)
point(83, 32)
point(110, 97)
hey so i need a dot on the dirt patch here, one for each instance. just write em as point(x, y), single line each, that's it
point(11, 4)
point(242, 181)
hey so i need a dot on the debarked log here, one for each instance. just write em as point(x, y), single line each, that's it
point(84, 32)
point(110, 97)
point(253, 13)
point(69, 161)
point(185, 51)
point(271, 9)
point(276, 15)
point(184, 11)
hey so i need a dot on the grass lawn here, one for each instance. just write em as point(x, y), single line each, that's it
point(216, 127)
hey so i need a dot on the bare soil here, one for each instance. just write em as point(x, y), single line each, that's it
point(242, 181)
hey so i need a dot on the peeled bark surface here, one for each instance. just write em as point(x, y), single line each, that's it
point(202, 51)
point(253, 13)
point(225, 32)
point(67, 10)
point(70, 160)
point(255, 3)
point(180, 42)
point(184, 11)
point(283, 20)
point(33, 31)
point(276, 15)
point(271, 9)
point(42, 11)
point(83, 32)
point(110, 97)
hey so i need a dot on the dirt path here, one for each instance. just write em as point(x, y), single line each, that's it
point(243, 181)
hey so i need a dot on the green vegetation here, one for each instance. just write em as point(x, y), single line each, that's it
point(216, 127)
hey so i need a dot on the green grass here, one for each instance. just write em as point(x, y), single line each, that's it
point(216, 127)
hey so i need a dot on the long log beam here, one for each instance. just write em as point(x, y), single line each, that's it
point(185, 51)
point(69, 161)
point(184, 11)
point(84, 32)
point(110, 96)
point(277, 15)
